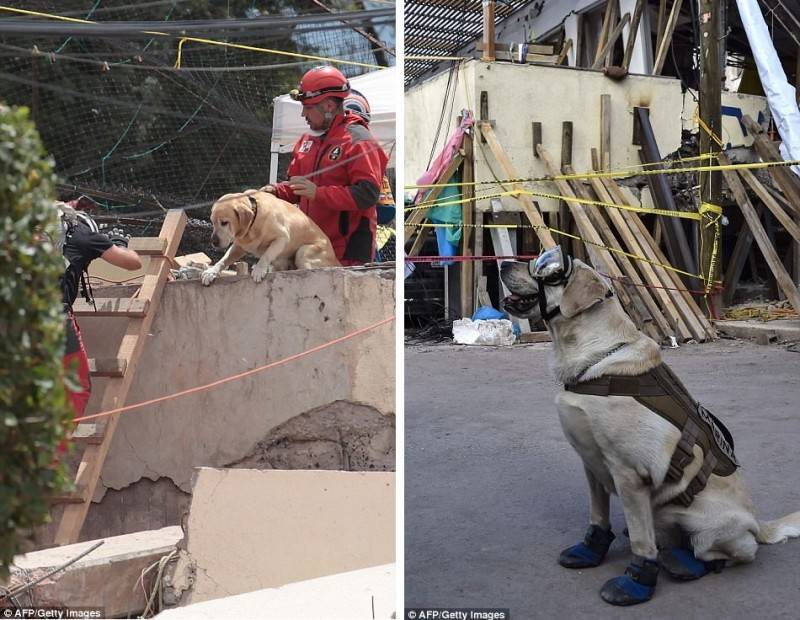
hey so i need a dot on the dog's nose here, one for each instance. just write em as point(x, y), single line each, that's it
point(215, 241)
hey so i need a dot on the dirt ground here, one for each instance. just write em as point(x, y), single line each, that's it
point(493, 492)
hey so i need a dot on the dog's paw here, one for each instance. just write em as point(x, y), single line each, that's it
point(208, 276)
point(260, 272)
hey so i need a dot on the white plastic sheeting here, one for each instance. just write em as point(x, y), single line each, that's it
point(379, 87)
point(780, 94)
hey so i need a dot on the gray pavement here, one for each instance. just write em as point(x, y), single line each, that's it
point(493, 491)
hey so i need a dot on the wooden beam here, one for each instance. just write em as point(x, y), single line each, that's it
point(147, 246)
point(601, 42)
point(540, 50)
point(566, 161)
point(744, 241)
point(632, 33)
point(112, 306)
point(787, 222)
point(636, 224)
point(781, 275)
point(612, 39)
point(488, 31)
point(600, 257)
point(605, 132)
point(418, 215)
point(768, 151)
point(528, 205)
point(667, 37)
point(564, 51)
point(468, 232)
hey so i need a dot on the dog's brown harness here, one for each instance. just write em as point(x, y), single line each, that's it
point(663, 393)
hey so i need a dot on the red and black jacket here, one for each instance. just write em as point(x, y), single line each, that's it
point(347, 165)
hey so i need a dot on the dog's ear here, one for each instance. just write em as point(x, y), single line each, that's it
point(244, 214)
point(584, 289)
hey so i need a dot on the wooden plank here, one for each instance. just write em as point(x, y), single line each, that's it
point(501, 241)
point(662, 12)
point(534, 337)
point(600, 257)
point(116, 391)
point(781, 275)
point(529, 58)
point(528, 206)
point(641, 231)
point(666, 328)
point(147, 246)
point(107, 367)
point(661, 56)
point(605, 132)
point(564, 51)
point(768, 151)
point(566, 160)
point(612, 39)
point(88, 433)
point(632, 33)
point(112, 306)
point(790, 225)
point(488, 31)
point(744, 241)
point(680, 317)
point(601, 42)
point(468, 232)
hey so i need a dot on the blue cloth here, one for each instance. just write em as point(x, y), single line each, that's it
point(487, 313)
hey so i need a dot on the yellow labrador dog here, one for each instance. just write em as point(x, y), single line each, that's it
point(260, 224)
point(700, 518)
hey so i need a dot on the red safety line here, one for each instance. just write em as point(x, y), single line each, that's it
point(461, 259)
point(200, 388)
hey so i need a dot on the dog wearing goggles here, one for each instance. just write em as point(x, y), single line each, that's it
point(626, 447)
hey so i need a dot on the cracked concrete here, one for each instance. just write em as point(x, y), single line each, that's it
point(201, 334)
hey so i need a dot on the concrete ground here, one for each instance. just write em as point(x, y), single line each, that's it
point(493, 492)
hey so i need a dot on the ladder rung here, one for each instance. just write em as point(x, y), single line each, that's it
point(76, 497)
point(148, 246)
point(114, 306)
point(89, 433)
point(107, 367)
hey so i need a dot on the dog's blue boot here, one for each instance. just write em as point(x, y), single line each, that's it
point(681, 564)
point(636, 586)
point(590, 552)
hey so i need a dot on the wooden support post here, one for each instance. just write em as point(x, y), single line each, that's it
point(632, 31)
point(711, 115)
point(605, 132)
point(621, 197)
point(784, 280)
point(488, 31)
point(608, 48)
point(537, 136)
point(787, 222)
point(468, 232)
point(601, 42)
point(528, 206)
point(564, 51)
point(563, 210)
point(663, 47)
point(744, 241)
point(600, 257)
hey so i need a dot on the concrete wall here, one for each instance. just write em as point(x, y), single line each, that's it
point(522, 94)
point(249, 530)
point(201, 334)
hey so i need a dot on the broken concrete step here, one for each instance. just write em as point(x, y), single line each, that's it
point(107, 367)
point(120, 306)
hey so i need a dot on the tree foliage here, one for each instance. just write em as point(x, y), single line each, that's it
point(34, 412)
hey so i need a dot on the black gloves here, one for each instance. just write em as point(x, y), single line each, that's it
point(116, 237)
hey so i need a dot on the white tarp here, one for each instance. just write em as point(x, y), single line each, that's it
point(780, 94)
point(379, 87)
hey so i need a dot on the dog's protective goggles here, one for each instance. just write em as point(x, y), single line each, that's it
point(552, 267)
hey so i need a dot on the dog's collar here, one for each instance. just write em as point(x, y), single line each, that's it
point(605, 355)
point(254, 209)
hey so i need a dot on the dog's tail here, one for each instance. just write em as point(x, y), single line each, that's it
point(779, 530)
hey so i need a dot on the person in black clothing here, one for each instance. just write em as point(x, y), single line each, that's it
point(81, 242)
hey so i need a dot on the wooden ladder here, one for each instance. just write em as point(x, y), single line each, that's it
point(95, 437)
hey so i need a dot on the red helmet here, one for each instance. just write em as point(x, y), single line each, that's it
point(357, 103)
point(320, 83)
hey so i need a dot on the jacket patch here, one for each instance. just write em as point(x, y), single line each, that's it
point(305, 147)
point(335, 152)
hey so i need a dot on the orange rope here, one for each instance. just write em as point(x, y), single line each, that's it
point(200, 388)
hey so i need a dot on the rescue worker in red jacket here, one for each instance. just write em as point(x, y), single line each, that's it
point(336, 170)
